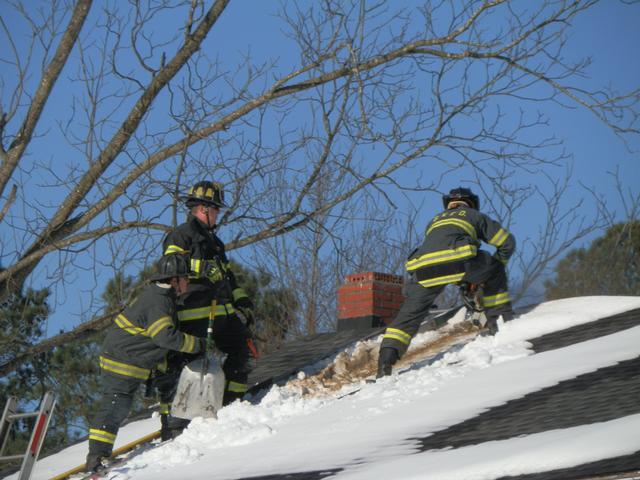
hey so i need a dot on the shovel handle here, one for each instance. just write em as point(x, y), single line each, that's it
point(212, 316)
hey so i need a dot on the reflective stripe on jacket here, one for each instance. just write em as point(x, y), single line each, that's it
point(209, 264)
point(452, 237)
point(143, 333)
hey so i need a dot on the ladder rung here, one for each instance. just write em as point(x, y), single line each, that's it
point(30, 457)
point(15, 416)
point(11, 457)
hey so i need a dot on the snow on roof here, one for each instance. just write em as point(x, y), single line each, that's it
point(554, 394)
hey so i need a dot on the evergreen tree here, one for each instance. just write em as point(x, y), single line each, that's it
point(609, 266)
point(22, 322)
point(275, 308)
point(70, 370)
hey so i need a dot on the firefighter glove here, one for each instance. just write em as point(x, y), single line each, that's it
point(500, 258)
point(386, 358)
point(212, 271)
point(203, 345)
point(244, 308)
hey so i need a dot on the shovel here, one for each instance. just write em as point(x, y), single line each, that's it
point(202, 382)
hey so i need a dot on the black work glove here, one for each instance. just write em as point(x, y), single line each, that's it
point(244, 306)
point(212, 271)
point(149, 387)
point(386, 358)
point(202, 346)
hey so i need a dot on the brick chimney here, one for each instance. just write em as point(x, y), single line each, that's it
point(368, 300)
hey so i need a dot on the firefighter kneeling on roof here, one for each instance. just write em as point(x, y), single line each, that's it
point(450, 255)
point(136, 343)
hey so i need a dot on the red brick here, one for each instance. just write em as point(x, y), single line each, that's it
point(367, 287)
point(372, 276)
point(370, 293)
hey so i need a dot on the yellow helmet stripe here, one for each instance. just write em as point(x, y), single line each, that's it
point(196, 265)
point(175, 249)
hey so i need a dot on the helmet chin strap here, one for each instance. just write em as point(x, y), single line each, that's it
point(206, 214)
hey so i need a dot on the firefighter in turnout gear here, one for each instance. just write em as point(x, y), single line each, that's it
point(136, 343)
point(450, 254)
point(213, 291)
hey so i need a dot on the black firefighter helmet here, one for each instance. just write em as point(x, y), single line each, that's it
point(205, 193)
point(169, 266)
point(462, 194)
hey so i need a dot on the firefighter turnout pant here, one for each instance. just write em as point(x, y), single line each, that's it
point(229, 334)
point(481, 269)
point(112, 408)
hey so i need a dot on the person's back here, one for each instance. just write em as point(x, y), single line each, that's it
point(451, 254)
point(453, 236)
point(145, 331)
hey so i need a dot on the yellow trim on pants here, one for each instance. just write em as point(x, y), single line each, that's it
point(495, 300)
point(397, 334)
point(237, 387)
point(432, 282)
point(101, 436)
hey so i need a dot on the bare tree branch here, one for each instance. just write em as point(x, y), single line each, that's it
point(19, 144)
point(372, 105)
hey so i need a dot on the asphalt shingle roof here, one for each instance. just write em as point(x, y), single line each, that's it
point(602, 395)
point(278, 366)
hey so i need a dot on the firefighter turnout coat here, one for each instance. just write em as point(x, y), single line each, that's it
point(213, 294)
point(142, 335)
point(451, 254)
point(451, 238)
point(137, 342)
point(210, 273)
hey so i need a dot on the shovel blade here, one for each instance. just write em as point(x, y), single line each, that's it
point(200, 389)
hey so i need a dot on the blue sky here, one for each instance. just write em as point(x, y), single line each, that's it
point(608, 34)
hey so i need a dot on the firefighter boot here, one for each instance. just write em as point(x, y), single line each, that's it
point(386, 358)
point(171, 426)
point(492, 326)
point(230, 397)
point(94, 462)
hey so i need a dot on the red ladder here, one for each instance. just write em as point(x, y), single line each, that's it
point(10, 415)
